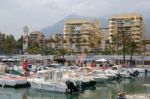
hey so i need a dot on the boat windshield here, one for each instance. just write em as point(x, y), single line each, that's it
point(55, 65)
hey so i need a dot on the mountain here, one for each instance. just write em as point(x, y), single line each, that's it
point(59, 26)
point(147, 26)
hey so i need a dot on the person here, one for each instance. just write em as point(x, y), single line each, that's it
point(25, 67)
point(121, 95)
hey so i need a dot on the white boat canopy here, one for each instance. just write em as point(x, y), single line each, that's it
point(101, 60)
point(10, 59)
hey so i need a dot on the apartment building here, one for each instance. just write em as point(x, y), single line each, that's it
point(2, 36)
point(80, 35)
point(147, 47)
point(104, 38)
point(37, 37)
point(56, 40)
point(126, 28)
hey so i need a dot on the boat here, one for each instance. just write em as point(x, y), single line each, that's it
point(102, 76)
point(138, 96)
point(81, 76)
point(137, 69)
point(120, 72)
point(51, 80)
point(9, 80)
point(146, 85)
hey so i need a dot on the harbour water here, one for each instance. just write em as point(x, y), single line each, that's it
point(106, 90)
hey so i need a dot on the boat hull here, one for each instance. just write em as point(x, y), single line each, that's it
point(14, 82)
point(53, 87)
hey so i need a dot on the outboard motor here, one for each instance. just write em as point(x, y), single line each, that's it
point(135, 73)
point(80, 85)
point(92, 83)
point(71, 86)
point(118, 76)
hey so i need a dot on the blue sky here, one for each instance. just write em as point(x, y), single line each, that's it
point(38, 14)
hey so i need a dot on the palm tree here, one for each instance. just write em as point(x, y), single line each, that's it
point(64, 41)
point(143, 46)
point(70, 40)
point(78, 44)
point(120, 39)
point(95, 38)
point(62, 52)
point(133, 46)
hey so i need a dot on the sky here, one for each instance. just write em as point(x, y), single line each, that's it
point(38, 14)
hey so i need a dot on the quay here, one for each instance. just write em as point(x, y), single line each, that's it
point(140, 61)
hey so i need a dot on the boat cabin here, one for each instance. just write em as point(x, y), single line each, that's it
point(51, 75)
point(103, 63)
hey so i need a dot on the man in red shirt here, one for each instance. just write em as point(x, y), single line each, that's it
point(25, 67)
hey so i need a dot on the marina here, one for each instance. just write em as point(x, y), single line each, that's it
point(108, 90)
point(74, 49)
point(55, 81)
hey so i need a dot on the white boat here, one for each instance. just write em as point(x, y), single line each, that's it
point(41, 84)
point(147, 85)
point(50, 80)
point(9, 80)
point(136, 69)
point(81, 76)
point(138, 96)
point(102, 76)
point(119, 71)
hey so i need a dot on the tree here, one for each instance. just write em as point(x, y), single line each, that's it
point(2, 46)
point(34, 48)
point(62, 52)
point(10, 44)
point(94, 37)
point(94, 41)
point(107, 51)
point(19, 45)
point(120, 40)
point(71, 41)
point(133, 46)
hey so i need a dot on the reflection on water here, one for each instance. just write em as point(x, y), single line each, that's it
point(107, 90)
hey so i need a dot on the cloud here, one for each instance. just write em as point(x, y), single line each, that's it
point(38, 14)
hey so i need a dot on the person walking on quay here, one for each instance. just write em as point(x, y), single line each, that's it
point(25, 67)
point(121, 95)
